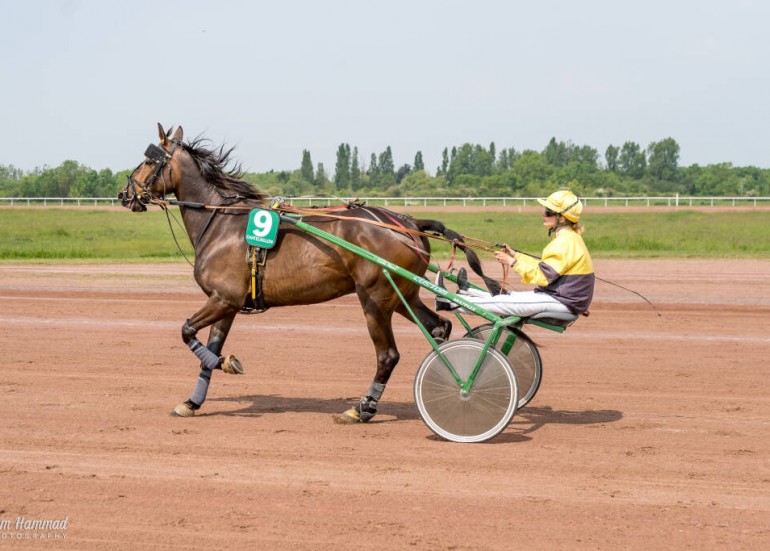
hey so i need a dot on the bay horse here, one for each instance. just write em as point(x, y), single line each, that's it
point(300, 269)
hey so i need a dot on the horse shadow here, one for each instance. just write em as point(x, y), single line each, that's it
point(526, 421)
point(258, 405)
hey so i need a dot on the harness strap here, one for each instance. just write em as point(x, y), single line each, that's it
point(504, 283)
point(253, 273)
point(418, 245)
point(257, 257)
point(205, 228)
point(318, 212)
point(452, 256)
point(469, 242)
point(398, 228)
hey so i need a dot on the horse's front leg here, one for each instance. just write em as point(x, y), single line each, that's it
point(220, 316)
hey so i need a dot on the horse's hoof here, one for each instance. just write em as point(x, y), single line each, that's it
point(350, 417)
point(183, 410)
point(232, 365)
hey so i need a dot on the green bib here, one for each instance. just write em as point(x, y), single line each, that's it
point(262, 230)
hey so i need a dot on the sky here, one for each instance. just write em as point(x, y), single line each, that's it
point(88, 80)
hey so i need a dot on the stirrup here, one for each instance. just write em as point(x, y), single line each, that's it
point(439, 279)
point(445, 305)
point(462, 280)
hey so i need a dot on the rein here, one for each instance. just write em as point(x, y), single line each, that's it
point(278, 205)
point(169, 216)
point(399, 228)
point(471, 242)
point(164, 204)
point(281, 207)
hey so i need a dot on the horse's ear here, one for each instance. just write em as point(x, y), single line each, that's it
point(178, 134)
point(162, 134)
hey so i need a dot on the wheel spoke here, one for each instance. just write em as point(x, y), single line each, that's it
point(523, 356)
point(481, 414)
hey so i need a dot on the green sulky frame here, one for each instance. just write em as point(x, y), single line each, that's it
point(498, 323)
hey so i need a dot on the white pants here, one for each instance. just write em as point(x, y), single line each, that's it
point(517, 303)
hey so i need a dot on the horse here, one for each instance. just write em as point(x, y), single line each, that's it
point(300, 269)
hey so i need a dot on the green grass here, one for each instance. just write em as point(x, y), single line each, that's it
point(43, 234)
point(681, 233)
point(88, 234)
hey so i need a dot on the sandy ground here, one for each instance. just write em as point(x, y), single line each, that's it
point(647, 432)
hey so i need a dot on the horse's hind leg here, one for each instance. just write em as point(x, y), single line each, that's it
point(209, 356)
point(439, 327)
point(379, 316)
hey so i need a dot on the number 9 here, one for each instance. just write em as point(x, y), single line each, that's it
point(263, 223)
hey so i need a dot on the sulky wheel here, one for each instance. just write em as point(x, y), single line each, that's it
point(480, 414)
point(523, 356)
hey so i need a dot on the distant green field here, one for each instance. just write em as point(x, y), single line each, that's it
point(98, 234)
point(633, 234)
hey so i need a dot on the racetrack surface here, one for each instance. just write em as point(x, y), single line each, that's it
point(647, 431)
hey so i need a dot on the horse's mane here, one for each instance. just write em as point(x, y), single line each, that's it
point(219, 170)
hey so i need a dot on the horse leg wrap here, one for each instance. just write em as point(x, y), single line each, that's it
point(376, 390)
point(201, 388)
point(367, 407)
point(206, 356)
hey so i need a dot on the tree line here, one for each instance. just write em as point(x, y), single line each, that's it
point(69, 179)
point(470, 170)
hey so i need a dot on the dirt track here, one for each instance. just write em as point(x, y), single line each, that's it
point(647, 432)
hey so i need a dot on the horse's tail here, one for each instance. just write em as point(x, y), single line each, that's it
point(457, 239)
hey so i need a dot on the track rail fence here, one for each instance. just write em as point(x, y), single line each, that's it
point(674, 201)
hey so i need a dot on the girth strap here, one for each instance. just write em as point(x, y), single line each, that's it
point(255, 302)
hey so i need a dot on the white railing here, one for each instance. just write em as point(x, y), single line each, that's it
point(675, 201)
point(61, 201)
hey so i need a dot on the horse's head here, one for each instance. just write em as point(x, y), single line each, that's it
point(152, 179)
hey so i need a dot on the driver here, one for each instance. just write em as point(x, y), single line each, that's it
point(564, 276)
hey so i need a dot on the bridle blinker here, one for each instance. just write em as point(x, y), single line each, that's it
point(140, 191)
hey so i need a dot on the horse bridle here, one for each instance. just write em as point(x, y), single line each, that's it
point(140, 191)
